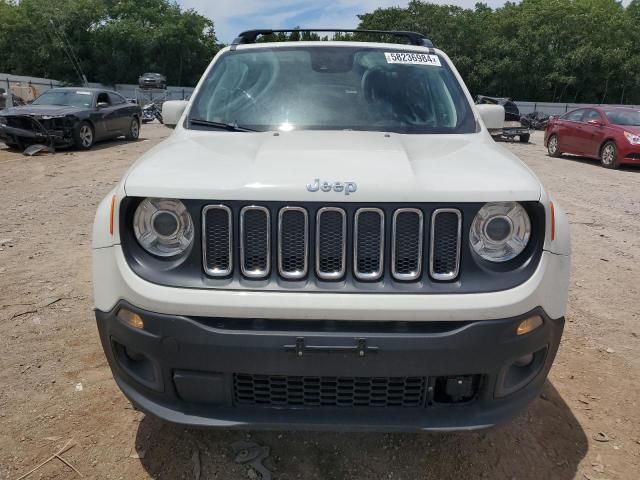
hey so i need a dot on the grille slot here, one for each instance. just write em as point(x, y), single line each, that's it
point(217, 240)
point(280, 390)
point(407, 240)
point(368, 243)
point(293, 242)
point(446, 232)
point(255, 241)
point(331, 236)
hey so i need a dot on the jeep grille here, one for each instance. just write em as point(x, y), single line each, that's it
point(368, 243)
point(217, 240)
point(255, 241)
point(444, 260)
point(331, 243)
point(328, 241)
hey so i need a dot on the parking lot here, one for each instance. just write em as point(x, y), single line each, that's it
point(57, 387)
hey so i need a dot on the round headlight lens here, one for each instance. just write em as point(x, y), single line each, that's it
point(500, 231)
point(163, 227)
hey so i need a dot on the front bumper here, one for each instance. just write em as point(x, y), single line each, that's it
point(22, 136)
point(629, 154)
point(185, 369)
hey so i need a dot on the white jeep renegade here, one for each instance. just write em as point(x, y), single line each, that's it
point(330, 239)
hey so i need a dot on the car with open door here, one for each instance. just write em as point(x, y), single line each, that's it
point(609, 134)
point(73, 116)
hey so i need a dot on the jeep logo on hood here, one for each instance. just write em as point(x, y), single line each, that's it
point(320, 185)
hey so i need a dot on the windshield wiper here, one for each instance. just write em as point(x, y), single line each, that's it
point(223, 126)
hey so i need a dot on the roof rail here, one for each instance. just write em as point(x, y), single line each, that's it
point(250, 36)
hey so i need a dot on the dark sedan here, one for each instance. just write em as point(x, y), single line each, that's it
point(609, 134)
point(152, 80)
point(63, 117)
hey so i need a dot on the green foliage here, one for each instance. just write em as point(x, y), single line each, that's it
point(539, 50)
point(114, 40)
point(543, 50)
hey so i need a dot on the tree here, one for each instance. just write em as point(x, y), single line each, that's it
point(553, 50)
point(112, 40)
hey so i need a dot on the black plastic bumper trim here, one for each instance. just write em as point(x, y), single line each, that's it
point(192, 347)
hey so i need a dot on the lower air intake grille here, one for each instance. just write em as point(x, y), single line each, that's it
point(276, 390)
point(445, 244)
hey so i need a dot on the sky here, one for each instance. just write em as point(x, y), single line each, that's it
point(234, 16)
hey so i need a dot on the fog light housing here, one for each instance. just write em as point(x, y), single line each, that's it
point(132, 319)
point(529, 325)
point(524, 361)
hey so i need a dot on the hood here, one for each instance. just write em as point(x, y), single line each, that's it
point(384, 167)
point(42, 110)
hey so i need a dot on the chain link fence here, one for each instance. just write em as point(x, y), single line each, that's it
point(558, 108)
point(17, 90)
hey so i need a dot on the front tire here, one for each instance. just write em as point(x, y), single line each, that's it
point(609, 155)
point(525, 138)
point(553, 146)
point(134, 130)
point(84, 136)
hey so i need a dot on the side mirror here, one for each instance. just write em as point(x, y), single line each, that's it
point(597, 123)
point(100, 105)
point(492, 116)
point(172, 111)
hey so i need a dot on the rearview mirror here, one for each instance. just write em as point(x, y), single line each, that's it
point(492, 116)
point(100, 105)
point(172, 111)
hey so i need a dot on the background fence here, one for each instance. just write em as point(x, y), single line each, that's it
point(28, 88)
point(557, 108)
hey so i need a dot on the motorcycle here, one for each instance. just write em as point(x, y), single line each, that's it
point(151, 112)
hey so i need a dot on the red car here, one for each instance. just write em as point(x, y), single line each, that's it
point(610, 134)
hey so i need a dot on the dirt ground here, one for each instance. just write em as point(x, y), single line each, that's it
point(55, 385)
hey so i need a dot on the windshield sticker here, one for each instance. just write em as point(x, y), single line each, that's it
point(413, 59)
point(83, 93)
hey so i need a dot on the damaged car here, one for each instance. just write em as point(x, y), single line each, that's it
point(66, 117)
point(511, 126)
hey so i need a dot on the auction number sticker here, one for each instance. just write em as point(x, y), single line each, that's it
point(413, 59)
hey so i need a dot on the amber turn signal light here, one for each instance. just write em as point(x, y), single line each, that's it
point(529, 325)
point(129, 318)
point(112, 214)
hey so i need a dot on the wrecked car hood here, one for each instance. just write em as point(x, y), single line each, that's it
point(42, 110)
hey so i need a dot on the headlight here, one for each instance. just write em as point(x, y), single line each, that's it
point(163, 227)
point(633, 138)
point(500, 231)
point(3, 121)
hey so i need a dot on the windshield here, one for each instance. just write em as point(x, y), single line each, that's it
point(623, 117)
point(70, 98)
point(333, 88)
